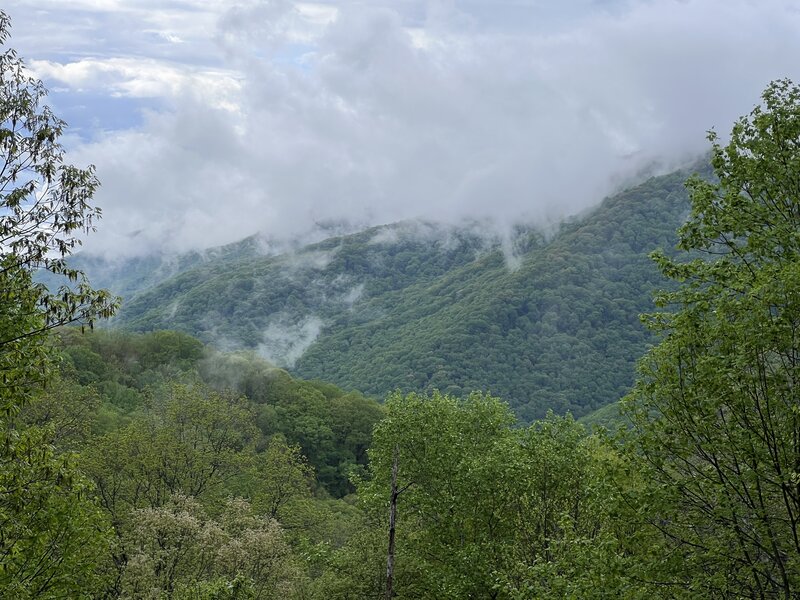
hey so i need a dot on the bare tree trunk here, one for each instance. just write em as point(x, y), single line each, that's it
point(392, 520)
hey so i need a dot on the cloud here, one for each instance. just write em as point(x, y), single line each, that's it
point(285, 339)
point(141, 78)
point(279, 117)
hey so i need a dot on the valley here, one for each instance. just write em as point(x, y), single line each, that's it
point(549, 323)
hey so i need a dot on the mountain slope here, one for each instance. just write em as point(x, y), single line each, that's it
point(560, 332)
point(416, 307)
point(128, 277)
point(279, 304)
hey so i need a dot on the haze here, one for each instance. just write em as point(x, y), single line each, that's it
point(209, 121)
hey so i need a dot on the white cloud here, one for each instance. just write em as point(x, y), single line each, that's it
point(319, 14)
point(141, 78)
point(285, 340)
point(277, 116)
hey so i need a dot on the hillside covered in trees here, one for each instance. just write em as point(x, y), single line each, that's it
point(547, 323)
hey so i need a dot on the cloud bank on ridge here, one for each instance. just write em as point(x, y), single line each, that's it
point(280, 116)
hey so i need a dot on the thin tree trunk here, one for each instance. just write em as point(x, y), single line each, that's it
point(392, 520)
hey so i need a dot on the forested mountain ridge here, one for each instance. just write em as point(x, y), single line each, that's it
point(278, 304)
point(551, 324)
point(561, 331)
point(128, 276)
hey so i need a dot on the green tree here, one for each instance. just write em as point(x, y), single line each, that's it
point(279, 475)
point(44, 205)
point(190, 442)
point(717, 405)
point(67, 409)
point(53, 538)
point(49, 528)
point(451, 519)
point(488, 510)
point(177, 551)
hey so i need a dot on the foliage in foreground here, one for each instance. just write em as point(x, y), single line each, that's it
point(490, 510)
point(190, 497)
point(50, 531)
point(717, 410)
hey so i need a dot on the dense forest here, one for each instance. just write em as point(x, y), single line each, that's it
point(150, 465)
point(559, 331)
point(550, 322)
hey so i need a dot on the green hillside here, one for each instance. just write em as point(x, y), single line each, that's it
point(129, 372)
point(418, 307)
point(561, 331)
point(127, 277)
point(278, 304)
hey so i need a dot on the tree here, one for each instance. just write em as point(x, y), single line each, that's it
point(717, 406)
point(44, 205)
point(277, 476)
point(488, 510)
point(179, 552)
point(192, 441)
point(450, 517)
point(49, 528)
point(53, 538)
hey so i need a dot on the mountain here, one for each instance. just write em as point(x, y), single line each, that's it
point(279, 304)
point(561, 331)
point(545, 323)
point(131, 275)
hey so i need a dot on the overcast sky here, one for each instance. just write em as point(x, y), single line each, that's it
point(209, 120)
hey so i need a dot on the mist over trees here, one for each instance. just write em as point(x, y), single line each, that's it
point(148, 465)
point(417, 307)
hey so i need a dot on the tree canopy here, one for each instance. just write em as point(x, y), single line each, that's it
point(716, 409)
point(44, 206)
point(50, 533)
